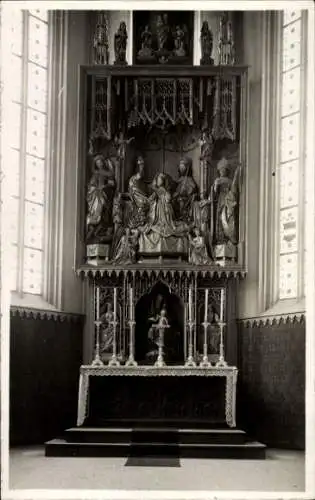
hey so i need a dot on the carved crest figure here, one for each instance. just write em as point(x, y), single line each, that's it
point(146, 43)
point(120, 44)
point(162, 30)
point(179, 41)
point(100, 40)
point(206, 42)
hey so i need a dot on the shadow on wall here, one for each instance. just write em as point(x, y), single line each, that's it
point(45, 359)
point(271, 388)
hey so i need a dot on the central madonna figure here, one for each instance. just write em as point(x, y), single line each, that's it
point(163, 236)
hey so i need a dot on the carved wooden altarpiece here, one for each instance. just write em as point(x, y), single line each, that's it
point(163, 232)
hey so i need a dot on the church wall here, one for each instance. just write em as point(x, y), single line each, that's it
point(45, 358)
point(271, 386)
point(78, 53)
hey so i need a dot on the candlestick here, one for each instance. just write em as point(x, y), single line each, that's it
point(114, 361)
point(222, 304)
point(97, 303)
point(131, 304)
point(221, 362)
point(115, 303)
point(97, 359)
point(131, 360)
point(190, 304)
point(205, 363)
point(190, 360)
point(206, 305)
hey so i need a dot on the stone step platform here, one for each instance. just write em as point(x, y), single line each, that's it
point(154, 434)
point(63, 448)
point(145, 439)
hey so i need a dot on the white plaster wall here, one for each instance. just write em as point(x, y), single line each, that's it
point(78, 53)
point(252, 36)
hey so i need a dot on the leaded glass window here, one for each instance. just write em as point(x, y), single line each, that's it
point(28, 84)
point(291, 161)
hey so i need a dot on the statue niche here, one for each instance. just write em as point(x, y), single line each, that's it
point(159, 301)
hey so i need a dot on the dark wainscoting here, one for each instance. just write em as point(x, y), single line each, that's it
point(45, 358)
point(271, 388)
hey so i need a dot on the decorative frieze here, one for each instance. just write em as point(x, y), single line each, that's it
point(41, 314)
point(273, 320)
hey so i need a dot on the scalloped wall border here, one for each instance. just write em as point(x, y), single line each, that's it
point(279, 319)
point(42, 314)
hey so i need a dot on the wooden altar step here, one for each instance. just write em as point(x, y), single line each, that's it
point(185, 442)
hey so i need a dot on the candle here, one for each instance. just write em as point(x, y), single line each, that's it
point(206, 305)
point(115, 303)
point(97, 304)
point(222, 304)
point(131, 303)
point(190, 304)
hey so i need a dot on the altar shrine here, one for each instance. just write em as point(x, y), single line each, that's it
point(163, 240)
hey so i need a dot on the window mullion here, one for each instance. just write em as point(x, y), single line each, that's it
point(302, 149)
point(23, 142)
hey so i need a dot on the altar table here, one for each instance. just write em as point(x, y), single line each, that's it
point(157, 393)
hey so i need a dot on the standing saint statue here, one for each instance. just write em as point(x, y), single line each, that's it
point(224, 200)
point(120, 44)
point(206, 42)
point(100, 195)
point(137, 190)
point(186, 190)
point(107, 330)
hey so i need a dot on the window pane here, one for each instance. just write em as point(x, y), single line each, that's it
point(291, 91)
point(13, 172)
point(36, 133)
point(288, 276)
point(32, 272)
point(290, 133)
point(35, 178)
point(288, 230)
point(37, 87)
point(38, 40)
point(16, 78)
point(291, 46)
point(289, 181)
point(15, 125)
point(291, 15)
point(33, 226)
point(14, 19)
point(13, 267)
point(13, 217)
